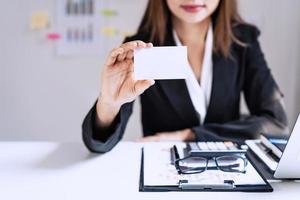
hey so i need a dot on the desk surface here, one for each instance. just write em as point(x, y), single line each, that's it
point(44, 170)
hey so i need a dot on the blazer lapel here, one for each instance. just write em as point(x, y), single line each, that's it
point(222, 75)
point(177, 93)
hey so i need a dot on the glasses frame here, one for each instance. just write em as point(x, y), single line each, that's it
point(178, 159)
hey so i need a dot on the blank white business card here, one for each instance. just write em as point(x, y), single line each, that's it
point(161, 63)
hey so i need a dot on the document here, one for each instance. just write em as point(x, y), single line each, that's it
point(161, 63)
point(158, 170)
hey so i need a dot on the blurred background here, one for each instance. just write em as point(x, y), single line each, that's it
point(52, 51)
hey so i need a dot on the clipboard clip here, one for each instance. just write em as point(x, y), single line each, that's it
point(189, 185)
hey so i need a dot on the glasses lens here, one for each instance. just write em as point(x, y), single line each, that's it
point(192, 164)
point(231, 163)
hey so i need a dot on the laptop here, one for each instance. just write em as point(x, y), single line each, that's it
point(289, 163)
point(280, 157)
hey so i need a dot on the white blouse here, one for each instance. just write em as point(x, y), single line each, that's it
point(200, 93)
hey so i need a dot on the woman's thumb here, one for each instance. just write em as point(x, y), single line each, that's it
point(141, 85)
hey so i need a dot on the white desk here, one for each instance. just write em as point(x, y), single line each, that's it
point(43, 170)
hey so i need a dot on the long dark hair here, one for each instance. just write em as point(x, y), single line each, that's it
point(158, 16)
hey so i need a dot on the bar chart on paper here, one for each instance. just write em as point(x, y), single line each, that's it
point(92, 27)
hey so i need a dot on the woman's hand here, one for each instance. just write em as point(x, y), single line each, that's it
point(117, 84)
point(182, 135)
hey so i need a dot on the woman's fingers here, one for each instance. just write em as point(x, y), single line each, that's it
point(180, 135)
point(163, 136)
point(129, 54)
point(149, 44)
point(141, 85)
point(112, 57)
point(153, 138)
point(125, 51)
point(121, 57)
point(133, 45)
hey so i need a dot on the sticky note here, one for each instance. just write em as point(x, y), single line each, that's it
point(109, 31)
point(109, 12)
point(39, 20)
point(53, 36)
point(161, 63)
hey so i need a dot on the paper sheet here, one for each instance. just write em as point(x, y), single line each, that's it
point(159, 171)
point(161, 63)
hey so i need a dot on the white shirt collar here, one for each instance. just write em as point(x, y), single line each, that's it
point(200, 94)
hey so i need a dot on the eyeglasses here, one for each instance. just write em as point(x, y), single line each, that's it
point(196, 164)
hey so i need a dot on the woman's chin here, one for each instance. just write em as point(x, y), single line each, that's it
point(194, 18)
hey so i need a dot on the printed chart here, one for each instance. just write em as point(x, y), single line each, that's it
point(92, 27)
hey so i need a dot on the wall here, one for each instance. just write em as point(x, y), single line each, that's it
point(45, 97)
point(279, 22)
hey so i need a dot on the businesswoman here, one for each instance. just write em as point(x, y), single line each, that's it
point(225, 60)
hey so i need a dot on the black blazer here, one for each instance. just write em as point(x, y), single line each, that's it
point(166, 106)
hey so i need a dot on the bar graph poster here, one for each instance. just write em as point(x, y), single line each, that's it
point(92, 27)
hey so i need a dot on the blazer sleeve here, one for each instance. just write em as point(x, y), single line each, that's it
point(263, 98)
point(104, 139)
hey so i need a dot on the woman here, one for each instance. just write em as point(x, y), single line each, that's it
point(225, 59)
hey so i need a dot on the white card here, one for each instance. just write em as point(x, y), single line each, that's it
point(161, 63)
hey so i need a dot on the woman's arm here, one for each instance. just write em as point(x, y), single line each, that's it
point(239, 130)
point(105, 123)
point(263, 98)
point(102, 139)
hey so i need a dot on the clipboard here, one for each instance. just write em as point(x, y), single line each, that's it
point(190, 186)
